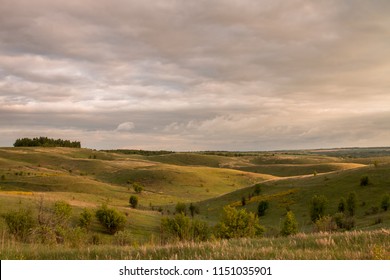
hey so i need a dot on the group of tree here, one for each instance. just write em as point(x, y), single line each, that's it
point(46, 142)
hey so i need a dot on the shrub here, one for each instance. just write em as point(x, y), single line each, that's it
point(110, 219)
point(290, 225)
point(243, 201)
point(342, 205)
point(325, 224)
point(138, 188)
point(176, 228)
point(257, 189)
point(238, 223)
point(193, 210)
point(123, 238)
point(364, 181)
point(62, 210)
point(133, 200)
point(19, 223)
point(262, 207)
point(181, 208)
point(385, 204)
point(85, 219)
point(351, 203)
point(317, 207)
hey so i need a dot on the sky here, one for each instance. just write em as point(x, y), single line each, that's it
point(196, 75)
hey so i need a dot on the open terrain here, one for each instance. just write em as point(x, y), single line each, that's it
point(87, 179)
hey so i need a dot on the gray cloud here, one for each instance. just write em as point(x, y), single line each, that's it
point(196, 74)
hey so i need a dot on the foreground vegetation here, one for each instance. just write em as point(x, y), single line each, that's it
point(353, 245)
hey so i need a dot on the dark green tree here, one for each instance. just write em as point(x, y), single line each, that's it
point(110, 219)
point(317, 207)
point(290, 225)
point(351, 203)
point(133, 200)
point(262, 207)
point(181, 208)
point(385, 204)
point(342, 205)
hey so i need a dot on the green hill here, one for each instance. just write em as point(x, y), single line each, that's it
point(87, 178)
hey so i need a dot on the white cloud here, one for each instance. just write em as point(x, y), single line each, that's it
point(126, 126)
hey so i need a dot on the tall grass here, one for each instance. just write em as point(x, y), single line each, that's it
point(354, 245)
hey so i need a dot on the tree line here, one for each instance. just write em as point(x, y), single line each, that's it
point(46, 142)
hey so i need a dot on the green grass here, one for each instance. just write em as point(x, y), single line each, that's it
point(87, 179)
point(355, 245)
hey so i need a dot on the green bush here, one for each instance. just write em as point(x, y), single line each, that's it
point(85, 219)
point(193, 209)
point(364, 181)
point(176, 228)
point(133, 200)
point(342, 205)
point(62, 211)
point(351, 203)
point(181, 208)
point(238, 223)
point(385, 204)
point(290, 225)
point(110, 219)
point(325, 224)
point(262, 207)
point(138, 188)
point(19, 223)
point(317, 207)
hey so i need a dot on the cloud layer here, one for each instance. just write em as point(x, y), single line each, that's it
point(196, 75)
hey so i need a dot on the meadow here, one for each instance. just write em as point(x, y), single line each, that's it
point(36, 178)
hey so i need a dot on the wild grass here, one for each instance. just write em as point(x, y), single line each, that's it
point(354, 245)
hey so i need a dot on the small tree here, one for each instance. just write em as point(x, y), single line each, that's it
point(385, 204)
point(342, 205)
point(351, 203)
point(290, 225)
point(110, 219)
point(238, 223)
point(181, 208)
point(138, 188)
point(364, 181)
point(85, 219)
point(262, 207)
point(193, 210)
point(317, 207)
point(243, 201)
point(19, 223)
point(133, 200)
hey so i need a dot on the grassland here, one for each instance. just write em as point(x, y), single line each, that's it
point(87, 178)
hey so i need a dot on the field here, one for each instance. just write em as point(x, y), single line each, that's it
point(87, 179)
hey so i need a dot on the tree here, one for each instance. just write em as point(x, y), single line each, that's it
point(85, 219)
point(133, 200)
point(238, 223)
point(262, 207)
point(19, 223)
point(110, 219)
point(181, 228)
point(385, 204)
point(342, 205)
point(193, 210)
point(290, 225)
point(364, 181)
point(138, 188)
point(351, 203)
point(317, 207)
point(181, 208)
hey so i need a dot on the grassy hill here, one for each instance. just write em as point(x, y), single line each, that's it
point(87, 178)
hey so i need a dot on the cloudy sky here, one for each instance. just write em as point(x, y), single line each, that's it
point(196, 75)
